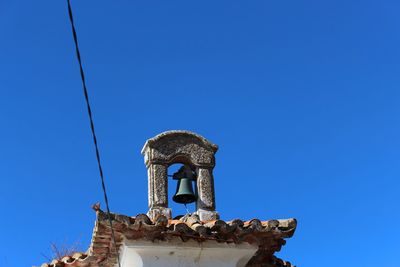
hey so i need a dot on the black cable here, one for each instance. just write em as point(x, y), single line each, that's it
point(89, 110)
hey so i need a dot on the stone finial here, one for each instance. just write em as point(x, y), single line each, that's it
point(186, 148)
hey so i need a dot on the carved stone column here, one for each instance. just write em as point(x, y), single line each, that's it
point(206, 196)
point(158, 190)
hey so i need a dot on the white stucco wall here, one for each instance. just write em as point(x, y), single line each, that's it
point(185, 254)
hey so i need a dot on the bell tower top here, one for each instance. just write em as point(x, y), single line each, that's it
point(187, 148)
point(179, 147)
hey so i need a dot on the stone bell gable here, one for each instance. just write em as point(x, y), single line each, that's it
point(187, 148)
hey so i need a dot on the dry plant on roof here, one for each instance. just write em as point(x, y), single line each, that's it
point(59, 251)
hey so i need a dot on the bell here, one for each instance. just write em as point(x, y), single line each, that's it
point(184, 191)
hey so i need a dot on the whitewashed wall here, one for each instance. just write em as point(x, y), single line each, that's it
point(185, 254)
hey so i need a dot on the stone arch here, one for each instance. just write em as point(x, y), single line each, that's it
point(183, 147)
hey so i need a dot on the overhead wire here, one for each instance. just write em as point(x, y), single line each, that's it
point(89, 111)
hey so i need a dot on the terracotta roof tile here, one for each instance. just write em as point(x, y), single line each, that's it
point(76, 259)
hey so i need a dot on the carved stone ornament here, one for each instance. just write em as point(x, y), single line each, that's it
point(186, 148)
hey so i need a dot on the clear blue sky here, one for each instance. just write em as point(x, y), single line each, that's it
point(302, 97)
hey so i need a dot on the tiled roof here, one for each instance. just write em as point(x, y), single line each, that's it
point(267, 235)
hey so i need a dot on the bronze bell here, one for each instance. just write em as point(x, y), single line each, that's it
point(184, 191)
